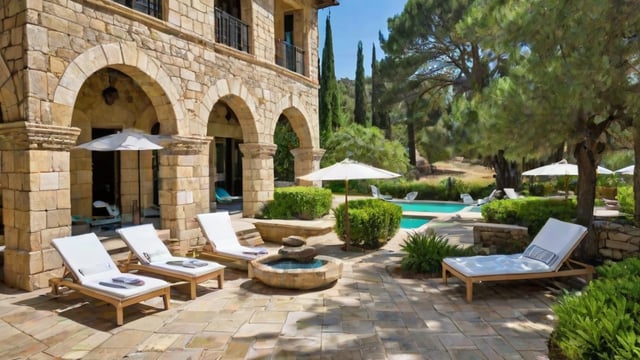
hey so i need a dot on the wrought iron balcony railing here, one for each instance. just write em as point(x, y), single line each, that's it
point(290, 57)
point(231, 31)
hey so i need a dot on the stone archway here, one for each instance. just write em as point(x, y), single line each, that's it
point(308, 155)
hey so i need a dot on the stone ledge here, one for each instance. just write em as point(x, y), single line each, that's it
point(275, 230)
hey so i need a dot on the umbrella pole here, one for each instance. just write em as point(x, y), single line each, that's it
point(347, 226)
point(139, 192)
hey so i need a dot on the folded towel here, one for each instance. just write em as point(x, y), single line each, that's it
point(188, 263)
point(255, 251)
point(128, 280)
point(112, 285)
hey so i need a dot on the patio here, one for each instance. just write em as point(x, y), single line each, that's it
point(369, 313)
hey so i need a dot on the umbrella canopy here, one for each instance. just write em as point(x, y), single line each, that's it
point(348, 170)
point(560, 168)
point(127, 140)
point(629, 170)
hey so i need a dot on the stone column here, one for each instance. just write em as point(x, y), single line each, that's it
point(36, 200)
point(306, 160)
point(184, 188)
point(257, 176)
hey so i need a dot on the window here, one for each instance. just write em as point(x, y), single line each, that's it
point(149, 7)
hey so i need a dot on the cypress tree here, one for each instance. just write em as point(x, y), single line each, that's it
point(328, 85)
point(375, 90)
point(360, 111)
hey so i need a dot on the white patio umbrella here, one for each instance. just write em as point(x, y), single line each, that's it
point(128, 140)
point(629, 170)
point(348, 170)
point(561, 168)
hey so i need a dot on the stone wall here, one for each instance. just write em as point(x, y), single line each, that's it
point(500, 238)
point(617, 241)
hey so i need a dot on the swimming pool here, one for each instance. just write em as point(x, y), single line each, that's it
point(430, 206)
point(412, 222)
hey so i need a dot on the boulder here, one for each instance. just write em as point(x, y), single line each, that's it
point(294, 241)
point(303, 254)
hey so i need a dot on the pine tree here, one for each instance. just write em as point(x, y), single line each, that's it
point(360, 111)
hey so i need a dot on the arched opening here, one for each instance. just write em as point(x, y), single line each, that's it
point(111, 100)
point(225, 167)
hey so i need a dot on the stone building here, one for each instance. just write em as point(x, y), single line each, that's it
point(214, 75)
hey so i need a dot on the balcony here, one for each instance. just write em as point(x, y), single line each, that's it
point(231, 31)
point(290, 57)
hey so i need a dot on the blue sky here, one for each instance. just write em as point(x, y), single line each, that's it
point(353, 21)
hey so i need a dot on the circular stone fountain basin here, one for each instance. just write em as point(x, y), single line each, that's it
point(305, 277)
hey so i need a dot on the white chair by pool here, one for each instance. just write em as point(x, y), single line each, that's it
point(546, 257)
point(378, 195)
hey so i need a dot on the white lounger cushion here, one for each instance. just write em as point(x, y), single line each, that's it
point(548, 250)
point(496, 265)
point(90, 263)
point(218, 229)
point(143, 240)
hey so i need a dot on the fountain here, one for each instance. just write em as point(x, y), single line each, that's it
point(296, 266)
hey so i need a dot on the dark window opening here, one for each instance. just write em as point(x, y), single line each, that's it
point(149, 7)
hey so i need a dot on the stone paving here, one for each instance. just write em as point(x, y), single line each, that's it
point(369, 314)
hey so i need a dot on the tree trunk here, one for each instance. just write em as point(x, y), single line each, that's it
point(636, 175)
point(507, 174)
point(411, 139)
point(587, 153)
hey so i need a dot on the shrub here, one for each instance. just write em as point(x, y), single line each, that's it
point(301, 202)
point(446, 190)
point(602, 322)
point(532, 213)
point(372, 222)
point(426, 250)
point(625, 199)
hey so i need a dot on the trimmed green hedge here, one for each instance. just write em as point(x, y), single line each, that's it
point(447, 190)
point(603, 322)
point(298, 202)
point(530, 212)
point(372, 222)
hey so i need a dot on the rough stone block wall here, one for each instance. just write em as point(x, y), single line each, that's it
point(617, 241)
point(500, 238)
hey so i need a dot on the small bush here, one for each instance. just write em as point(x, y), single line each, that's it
point(625, 199)
point(426, 250)
point(372, 222)
point(298, 202)
point(532, 213)
point(603, 321)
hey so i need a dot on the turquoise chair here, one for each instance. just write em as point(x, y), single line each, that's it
point(223, 197)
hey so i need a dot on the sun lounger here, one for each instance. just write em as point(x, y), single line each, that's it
point(546, 257)
point(150, 255)
point(378, 195)
point(217, 228)
point(223, 197)
point(411, 196)
point(90, 270)
point(511, 193)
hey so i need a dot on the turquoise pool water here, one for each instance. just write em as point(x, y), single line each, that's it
point(408, 222)
point(429, 206)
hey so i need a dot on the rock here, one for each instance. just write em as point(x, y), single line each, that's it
point(302, 254)
point(293, 241)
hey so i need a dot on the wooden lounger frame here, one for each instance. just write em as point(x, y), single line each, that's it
point(225, 259)
point(192, 281)
point(68, 280)
point(569, 268)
